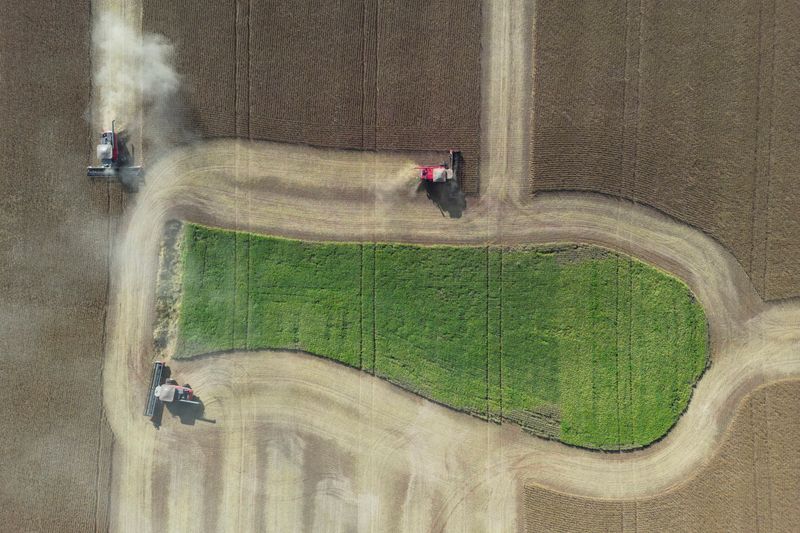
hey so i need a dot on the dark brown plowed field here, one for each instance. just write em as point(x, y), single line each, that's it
point(751, 485)
point(360, 74)
point(428, 78)
point(54, 230)
point(690, 108)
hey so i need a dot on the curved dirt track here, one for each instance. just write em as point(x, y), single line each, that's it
point(300, 442)
point(461, 470)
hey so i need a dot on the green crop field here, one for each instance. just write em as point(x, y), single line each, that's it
point(575, 343)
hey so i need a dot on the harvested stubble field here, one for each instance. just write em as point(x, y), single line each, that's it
point(750, 485)
point(573, 343)
point(359, 74)
point(54, 229)
point(691, 109)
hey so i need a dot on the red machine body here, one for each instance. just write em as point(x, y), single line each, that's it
point(449, 170)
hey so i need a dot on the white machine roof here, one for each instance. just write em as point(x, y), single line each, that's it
point(165, 392)
point(442, 174)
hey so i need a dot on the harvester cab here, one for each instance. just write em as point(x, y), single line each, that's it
point(116, 160)
point(447, 171)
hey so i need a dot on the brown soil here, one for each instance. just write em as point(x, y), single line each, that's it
point(54, 236)
point(688, 109)
point(751, 484)
point(384, 75)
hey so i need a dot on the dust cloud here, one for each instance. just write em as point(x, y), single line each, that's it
point(129, 66)
point(137, 84)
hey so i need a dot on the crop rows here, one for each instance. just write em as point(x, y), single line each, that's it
point(689, 110)
point(574, 343)
point(368, 74)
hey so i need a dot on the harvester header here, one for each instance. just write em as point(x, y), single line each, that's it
point(165, 391)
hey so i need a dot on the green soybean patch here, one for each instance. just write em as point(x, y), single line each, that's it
point(574, 343)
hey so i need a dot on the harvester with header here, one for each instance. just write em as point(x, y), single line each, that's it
point(166, 390)
point(447, 171)
point(116, 160)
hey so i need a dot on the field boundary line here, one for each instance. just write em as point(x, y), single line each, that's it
point(769, 155)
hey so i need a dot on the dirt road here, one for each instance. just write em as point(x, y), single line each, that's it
point(299, 441)
point(459, 463)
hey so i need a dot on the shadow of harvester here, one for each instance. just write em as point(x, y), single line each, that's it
point(447, 196)
point(188, 413)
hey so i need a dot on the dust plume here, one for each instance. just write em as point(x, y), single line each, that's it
point(128, 66)
point(136, 83)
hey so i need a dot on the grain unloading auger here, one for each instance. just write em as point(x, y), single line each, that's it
point(116, 160)
point(166, 391)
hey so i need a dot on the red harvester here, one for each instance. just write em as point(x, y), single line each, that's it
point(447, 171)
